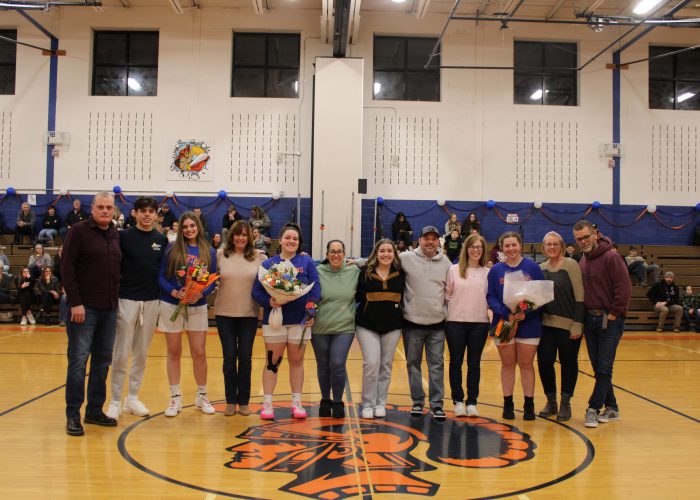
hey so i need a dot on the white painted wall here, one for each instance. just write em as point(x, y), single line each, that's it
point(473, 141)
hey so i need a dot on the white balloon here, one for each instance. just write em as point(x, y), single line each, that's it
point(441, 203)
point(276, 195)
point(169, 194)
point(64, 192)
point(538, 204)
point(651, 208)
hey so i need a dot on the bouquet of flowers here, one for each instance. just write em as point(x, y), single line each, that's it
point(281, 283)
point(194, 278)
point(520, 295)
point(309, 313)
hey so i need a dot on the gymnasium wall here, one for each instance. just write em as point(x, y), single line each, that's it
point(472, 146)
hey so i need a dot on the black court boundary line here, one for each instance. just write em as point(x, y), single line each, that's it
point(32, 400)
point(648, 400)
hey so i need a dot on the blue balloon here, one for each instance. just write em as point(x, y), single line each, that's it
point(380, 201)
point(117, 189)
point(596, 204)
point(490, 204)
point(10, 191)
point(222, 195)
point(697, 207)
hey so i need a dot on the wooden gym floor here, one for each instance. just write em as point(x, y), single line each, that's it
point(652, 452)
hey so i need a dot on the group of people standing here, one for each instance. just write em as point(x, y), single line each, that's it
point(417, 293)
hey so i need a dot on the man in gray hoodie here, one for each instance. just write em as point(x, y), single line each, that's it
point(424, 319)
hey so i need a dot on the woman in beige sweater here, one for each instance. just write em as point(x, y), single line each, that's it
point(237, 313)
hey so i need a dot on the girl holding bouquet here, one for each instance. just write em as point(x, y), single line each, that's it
point(467, 323)
point(521, 349)
point(237, 313)
point(189, 252)
point(296, 325)
point(380, 289)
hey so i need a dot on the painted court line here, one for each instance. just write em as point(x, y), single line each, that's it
point(670, 345)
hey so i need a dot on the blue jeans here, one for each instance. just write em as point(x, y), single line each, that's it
point(63, 309)
point(469, 337)
point(93, 338)
point(415, 338)
point(237, 336)
point(331, 351)
point(602, 345)
point(48, 234)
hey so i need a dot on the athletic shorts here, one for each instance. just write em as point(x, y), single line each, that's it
point(197, 320)
point(518, 340)
point(285, 334)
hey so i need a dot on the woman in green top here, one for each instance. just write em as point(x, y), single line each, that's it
point(334, 328)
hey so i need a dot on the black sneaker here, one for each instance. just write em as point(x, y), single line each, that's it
point(417, 410)
point(438, 414)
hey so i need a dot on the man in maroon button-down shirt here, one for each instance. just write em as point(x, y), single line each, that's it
point(90, 268)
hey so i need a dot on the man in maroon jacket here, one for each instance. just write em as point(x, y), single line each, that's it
point(607, 292)
point(90, 268)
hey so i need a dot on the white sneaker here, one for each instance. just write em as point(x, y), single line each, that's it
point(23, 322)
point(174, 407)
point(367, 413)
point(136, 407)
point(460, 411)
point(114, 411)
point(31, 319)
point(203, 404)
point(379, 411)
point(471, 411)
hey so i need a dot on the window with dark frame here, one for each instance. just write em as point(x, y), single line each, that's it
point(125, 63)
point(399, 69)
point(545, 73)
point(8, 62)
point(674, 80)
point(265, 65)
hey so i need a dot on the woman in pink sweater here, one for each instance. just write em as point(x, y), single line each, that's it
point(467, 321)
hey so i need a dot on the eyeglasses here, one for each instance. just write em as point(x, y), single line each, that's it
point(583, 238)
point(336, 252)
point(474, 248)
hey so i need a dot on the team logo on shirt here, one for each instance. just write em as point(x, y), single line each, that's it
point(325, 453)
point(156, 246)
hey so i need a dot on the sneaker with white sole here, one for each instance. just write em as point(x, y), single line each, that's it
point(298, 411)
point(23, 322)
point(267, 412)
point(471, 411)
point(379, 411)
point(460, 410)
point(591, 419)
point(114, 411)
point(136, 407)
point(367, 413)
point(174, 407)
point(608, 415)
point(203, 404)
point(438, 414)
point(30, 317)
point(416, 410)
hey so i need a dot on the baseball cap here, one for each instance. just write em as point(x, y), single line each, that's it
point(430, 229)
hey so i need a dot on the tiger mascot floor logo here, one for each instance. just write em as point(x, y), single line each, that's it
point(324, 452)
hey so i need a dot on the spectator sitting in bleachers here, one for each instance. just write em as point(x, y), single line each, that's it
point(25, 296)
point(26, 220)
point(131, 220)
point(401, 229)
point(49, 226)
point(496, 255)
point(39, 260)
point(691, 309)
point(452, 224)
point(48, 289)
point(665, 296)
point(470, 223)
point(636, 264)
point(172, 232)
point(203, 220)
point(5, 293)
point(168, 217)
point(453, 245)
point(571, 252)
point(74, 216)
point(4, 261)
point(261, 242)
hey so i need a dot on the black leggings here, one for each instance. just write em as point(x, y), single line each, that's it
point(553, 340)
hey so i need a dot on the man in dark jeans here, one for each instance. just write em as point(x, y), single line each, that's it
point(607, 291)
point(90, 268)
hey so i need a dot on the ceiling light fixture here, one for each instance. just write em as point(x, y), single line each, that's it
point(646, 6)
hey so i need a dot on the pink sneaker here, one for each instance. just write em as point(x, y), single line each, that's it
point(298, 411)
point(267, 412)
